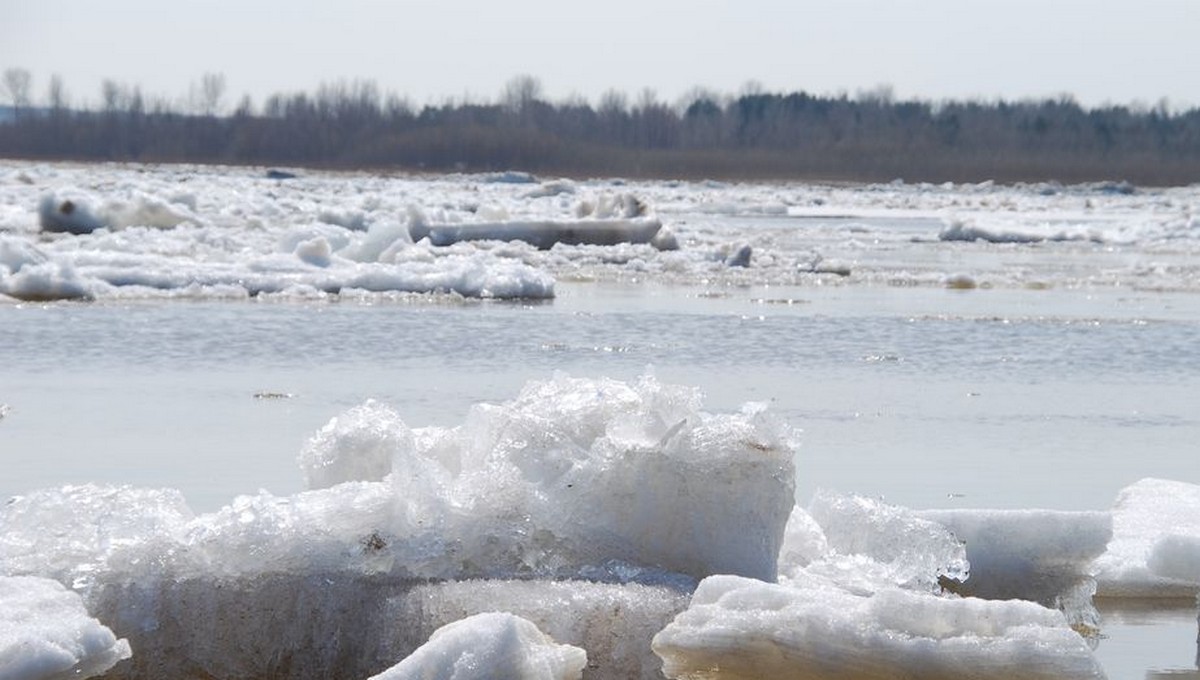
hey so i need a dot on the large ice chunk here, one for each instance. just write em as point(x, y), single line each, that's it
point(576, 472)
point(486, 646)
point(47, 634)
point(741, 628)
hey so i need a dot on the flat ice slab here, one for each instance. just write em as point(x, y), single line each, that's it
point(741, 628)
point(1155, 550)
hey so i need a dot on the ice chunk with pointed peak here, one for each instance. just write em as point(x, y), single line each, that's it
point(911, 552)
point(486, 646)
point(47, 634)
point(614, 623)
point(46, 282)
point(1145, 514)
point(804, 542)
point(741, 628)
point(355, 446)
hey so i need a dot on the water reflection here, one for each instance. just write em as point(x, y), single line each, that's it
point(1155, 639)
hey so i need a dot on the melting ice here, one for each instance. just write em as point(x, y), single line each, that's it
point(614, 523)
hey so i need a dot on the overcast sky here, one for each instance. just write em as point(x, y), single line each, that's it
point(1104, 51)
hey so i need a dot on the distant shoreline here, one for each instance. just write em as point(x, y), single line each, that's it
point(759, 137)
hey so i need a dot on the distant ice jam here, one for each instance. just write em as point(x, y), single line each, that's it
point(71, 232)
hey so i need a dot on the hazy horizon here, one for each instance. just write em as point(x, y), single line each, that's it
point(1100, 53)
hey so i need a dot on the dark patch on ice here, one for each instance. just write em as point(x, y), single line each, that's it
point(280, 174)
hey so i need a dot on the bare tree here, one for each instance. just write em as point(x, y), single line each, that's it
point(56, 94)
point(110, 94)
point(520, 93)
point(16, 84)
point(212, 90)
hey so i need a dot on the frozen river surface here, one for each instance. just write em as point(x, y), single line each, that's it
point(933, 347)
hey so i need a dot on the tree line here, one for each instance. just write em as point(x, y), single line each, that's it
point(752, 135)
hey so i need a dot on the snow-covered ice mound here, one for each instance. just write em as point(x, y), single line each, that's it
point(47, 634)
point(742, 628)
point(1155, 549)
point(489, 646)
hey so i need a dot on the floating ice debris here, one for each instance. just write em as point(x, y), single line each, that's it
point(1156, 523)
point(967, 230)
point(45, 282)
point(960, 281)
point(544, 234)
point(553, 188)
point(77, 212)
point(609, 220)
point(488, 646)
point(739, 255)
point(741, 628)
point(47, 634)
point(509, 177)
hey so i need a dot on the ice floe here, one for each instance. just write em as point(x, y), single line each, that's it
point(1153, 553)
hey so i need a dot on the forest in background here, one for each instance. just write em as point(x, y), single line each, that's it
point(870, 137)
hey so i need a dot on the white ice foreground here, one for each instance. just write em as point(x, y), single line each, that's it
point(589, 508)
point(47, 634)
